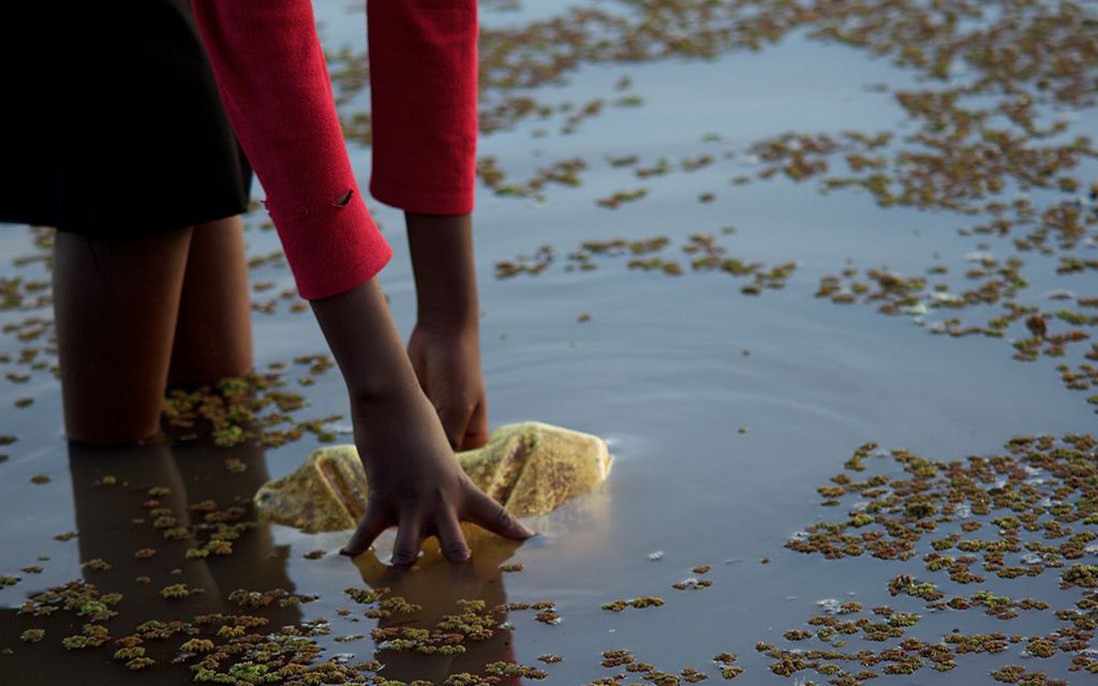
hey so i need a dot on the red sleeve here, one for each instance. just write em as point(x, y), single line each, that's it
point(423, 90)
point(274, 83)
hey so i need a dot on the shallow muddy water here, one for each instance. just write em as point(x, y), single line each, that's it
point(725, 410)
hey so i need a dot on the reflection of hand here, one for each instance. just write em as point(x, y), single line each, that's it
point(416, 483)
point(448, 368)
point(440, 590)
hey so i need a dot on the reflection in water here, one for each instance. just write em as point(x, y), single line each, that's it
point(435, 590)
point(149, 517)
point(156, 518)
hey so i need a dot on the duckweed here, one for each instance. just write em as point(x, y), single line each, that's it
point(982, 126)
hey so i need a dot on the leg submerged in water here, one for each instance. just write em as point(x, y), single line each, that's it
point(213, 334)
point(134, 315)
point(115, 304)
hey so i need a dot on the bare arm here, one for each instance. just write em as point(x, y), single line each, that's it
point(415, 481)
point(445, 344)
point(273, 80)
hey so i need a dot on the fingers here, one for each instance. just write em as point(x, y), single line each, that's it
point(419, 366)
point(491, 515)
point(476, 432)
point(455, 419)
point(369, 528)
point(451, 540)
point(409, 537)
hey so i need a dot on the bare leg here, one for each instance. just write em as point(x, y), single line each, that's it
point(115, 304)
point(213, 337)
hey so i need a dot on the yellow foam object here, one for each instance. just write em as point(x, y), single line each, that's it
point(530, 468)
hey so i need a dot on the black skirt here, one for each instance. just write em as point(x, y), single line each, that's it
point(110, 121)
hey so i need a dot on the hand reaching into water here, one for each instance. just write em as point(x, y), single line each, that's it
point(447, 365)
point(445, 345)
point(417, 484)
point(415, 480)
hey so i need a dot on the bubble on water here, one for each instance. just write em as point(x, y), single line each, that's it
point(655, 555)
point(1032, 559)
point(801, 535)
point(951, 298)
point(962, 511)
point(829, 606)
point(978, 256)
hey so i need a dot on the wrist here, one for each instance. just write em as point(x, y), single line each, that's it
point(445, 275)
point(461, 319)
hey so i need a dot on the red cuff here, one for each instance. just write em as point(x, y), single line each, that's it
point(333, 248)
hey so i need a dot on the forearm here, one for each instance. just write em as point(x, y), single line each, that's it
point(445, 273)
point(366, 346)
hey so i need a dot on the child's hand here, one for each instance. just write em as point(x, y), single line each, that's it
point(447, 365)
point(417, 484)
point(415, 480)
point(445, 346)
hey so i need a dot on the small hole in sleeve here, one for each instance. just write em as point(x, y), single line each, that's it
point(343, 200)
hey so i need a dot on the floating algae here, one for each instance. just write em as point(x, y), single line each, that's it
point(531, 468)
point(1040, 496)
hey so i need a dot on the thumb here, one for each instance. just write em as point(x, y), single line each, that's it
point(455, 421)
point(476, 431)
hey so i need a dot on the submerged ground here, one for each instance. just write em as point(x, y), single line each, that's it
point(822, 273)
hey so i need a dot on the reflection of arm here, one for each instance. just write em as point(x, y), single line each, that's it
point(273, 80)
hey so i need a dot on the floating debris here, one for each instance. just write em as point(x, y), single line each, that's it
point(638, 603)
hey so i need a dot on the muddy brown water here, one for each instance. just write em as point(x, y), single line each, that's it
point(724, 411)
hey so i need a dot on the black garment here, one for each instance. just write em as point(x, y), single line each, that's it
point(110, 121)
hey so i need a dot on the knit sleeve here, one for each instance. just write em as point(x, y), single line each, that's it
point(274, 83)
